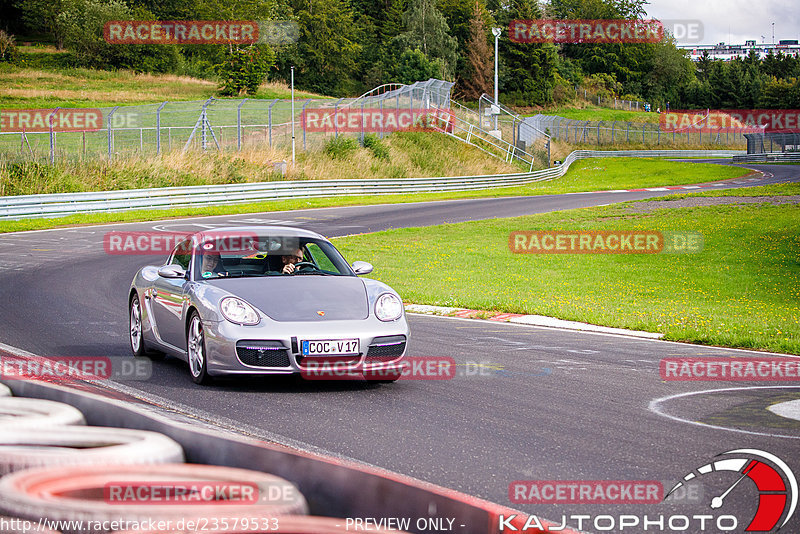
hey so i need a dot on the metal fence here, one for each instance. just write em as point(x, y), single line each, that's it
point(615, 132)
point(768, 142)
point(58, 205)
point(603, 99)
point(769, 157)
point(501, 141)
point(213, 124)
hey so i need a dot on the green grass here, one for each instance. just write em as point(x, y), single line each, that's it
point(741, 290)
point(790, 188)
point(584, 175)
point(594, 113)
point(29, 88)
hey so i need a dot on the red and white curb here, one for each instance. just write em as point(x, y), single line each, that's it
point(738, 181)
point(531, 320)
point(788, 409)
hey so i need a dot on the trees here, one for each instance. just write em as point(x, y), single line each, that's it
point(326, 53)
point(427, 30)
point(527, 71)
point(244, 69)
point(477, 76)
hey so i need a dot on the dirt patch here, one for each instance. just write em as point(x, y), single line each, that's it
point(693, 202)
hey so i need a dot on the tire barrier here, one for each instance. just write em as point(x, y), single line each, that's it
point(17, 413)
point(290, 524)
point(101, 496)
point(84, 445)
point(4, 391)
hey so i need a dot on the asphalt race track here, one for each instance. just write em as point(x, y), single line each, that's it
point(566, 406)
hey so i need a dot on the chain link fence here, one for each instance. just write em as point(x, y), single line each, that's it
point(618, 132)
point(213, 124)
point(603, 99)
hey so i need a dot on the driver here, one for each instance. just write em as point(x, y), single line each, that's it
point(212, 265)
point(295, 256)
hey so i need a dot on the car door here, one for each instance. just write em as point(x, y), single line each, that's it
point(168, 299)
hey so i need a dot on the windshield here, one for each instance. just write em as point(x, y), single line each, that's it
point(261, 256)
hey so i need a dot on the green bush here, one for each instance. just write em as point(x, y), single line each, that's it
point(8, 48)
point(376, 146)
point(341, 147)
point(244, 69)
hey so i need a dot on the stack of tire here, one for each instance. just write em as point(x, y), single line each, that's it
point(55, 468)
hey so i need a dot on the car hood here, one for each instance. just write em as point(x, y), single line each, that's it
point(302, 297)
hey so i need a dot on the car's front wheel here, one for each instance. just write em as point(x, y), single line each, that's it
point(196, 348)
point(138, 346)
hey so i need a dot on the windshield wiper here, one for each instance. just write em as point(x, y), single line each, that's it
point(238, 275)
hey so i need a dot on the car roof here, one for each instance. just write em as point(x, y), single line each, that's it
point(289, 231)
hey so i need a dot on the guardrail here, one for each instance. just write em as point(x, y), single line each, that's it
point(778, 157)
point(59, 205)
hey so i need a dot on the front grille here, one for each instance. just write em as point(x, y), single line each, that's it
point(263, 353)
point(386, 348)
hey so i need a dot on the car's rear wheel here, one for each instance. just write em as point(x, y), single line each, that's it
point(138, 346)
point(196, 349)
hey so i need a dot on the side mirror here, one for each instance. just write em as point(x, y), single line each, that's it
point(171, 271)
point(362, 267)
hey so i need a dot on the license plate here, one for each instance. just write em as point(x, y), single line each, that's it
point(322, 347)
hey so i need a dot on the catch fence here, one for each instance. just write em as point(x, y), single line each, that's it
point(618, 132)
point(213, 124)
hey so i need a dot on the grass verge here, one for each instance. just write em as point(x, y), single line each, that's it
point(591, 112)
point(584, 175)
point(75, 87)
point(741, 290)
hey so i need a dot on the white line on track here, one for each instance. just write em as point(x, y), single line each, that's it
point(710, 349)
point(655, 407)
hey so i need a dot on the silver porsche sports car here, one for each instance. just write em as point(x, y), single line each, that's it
point(267, 300)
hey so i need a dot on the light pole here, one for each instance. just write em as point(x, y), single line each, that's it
point(496, 32)
point(292, 116)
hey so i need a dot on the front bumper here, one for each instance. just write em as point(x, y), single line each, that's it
point(222, 338)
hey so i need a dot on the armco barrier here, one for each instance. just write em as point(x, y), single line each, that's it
point(332, 487)
point(59, 205)
point(768, 157)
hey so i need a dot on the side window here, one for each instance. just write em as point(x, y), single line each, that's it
point(320, 258)
point(182, 255)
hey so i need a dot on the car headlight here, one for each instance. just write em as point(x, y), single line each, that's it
point(238, 311)
point(388, 307)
